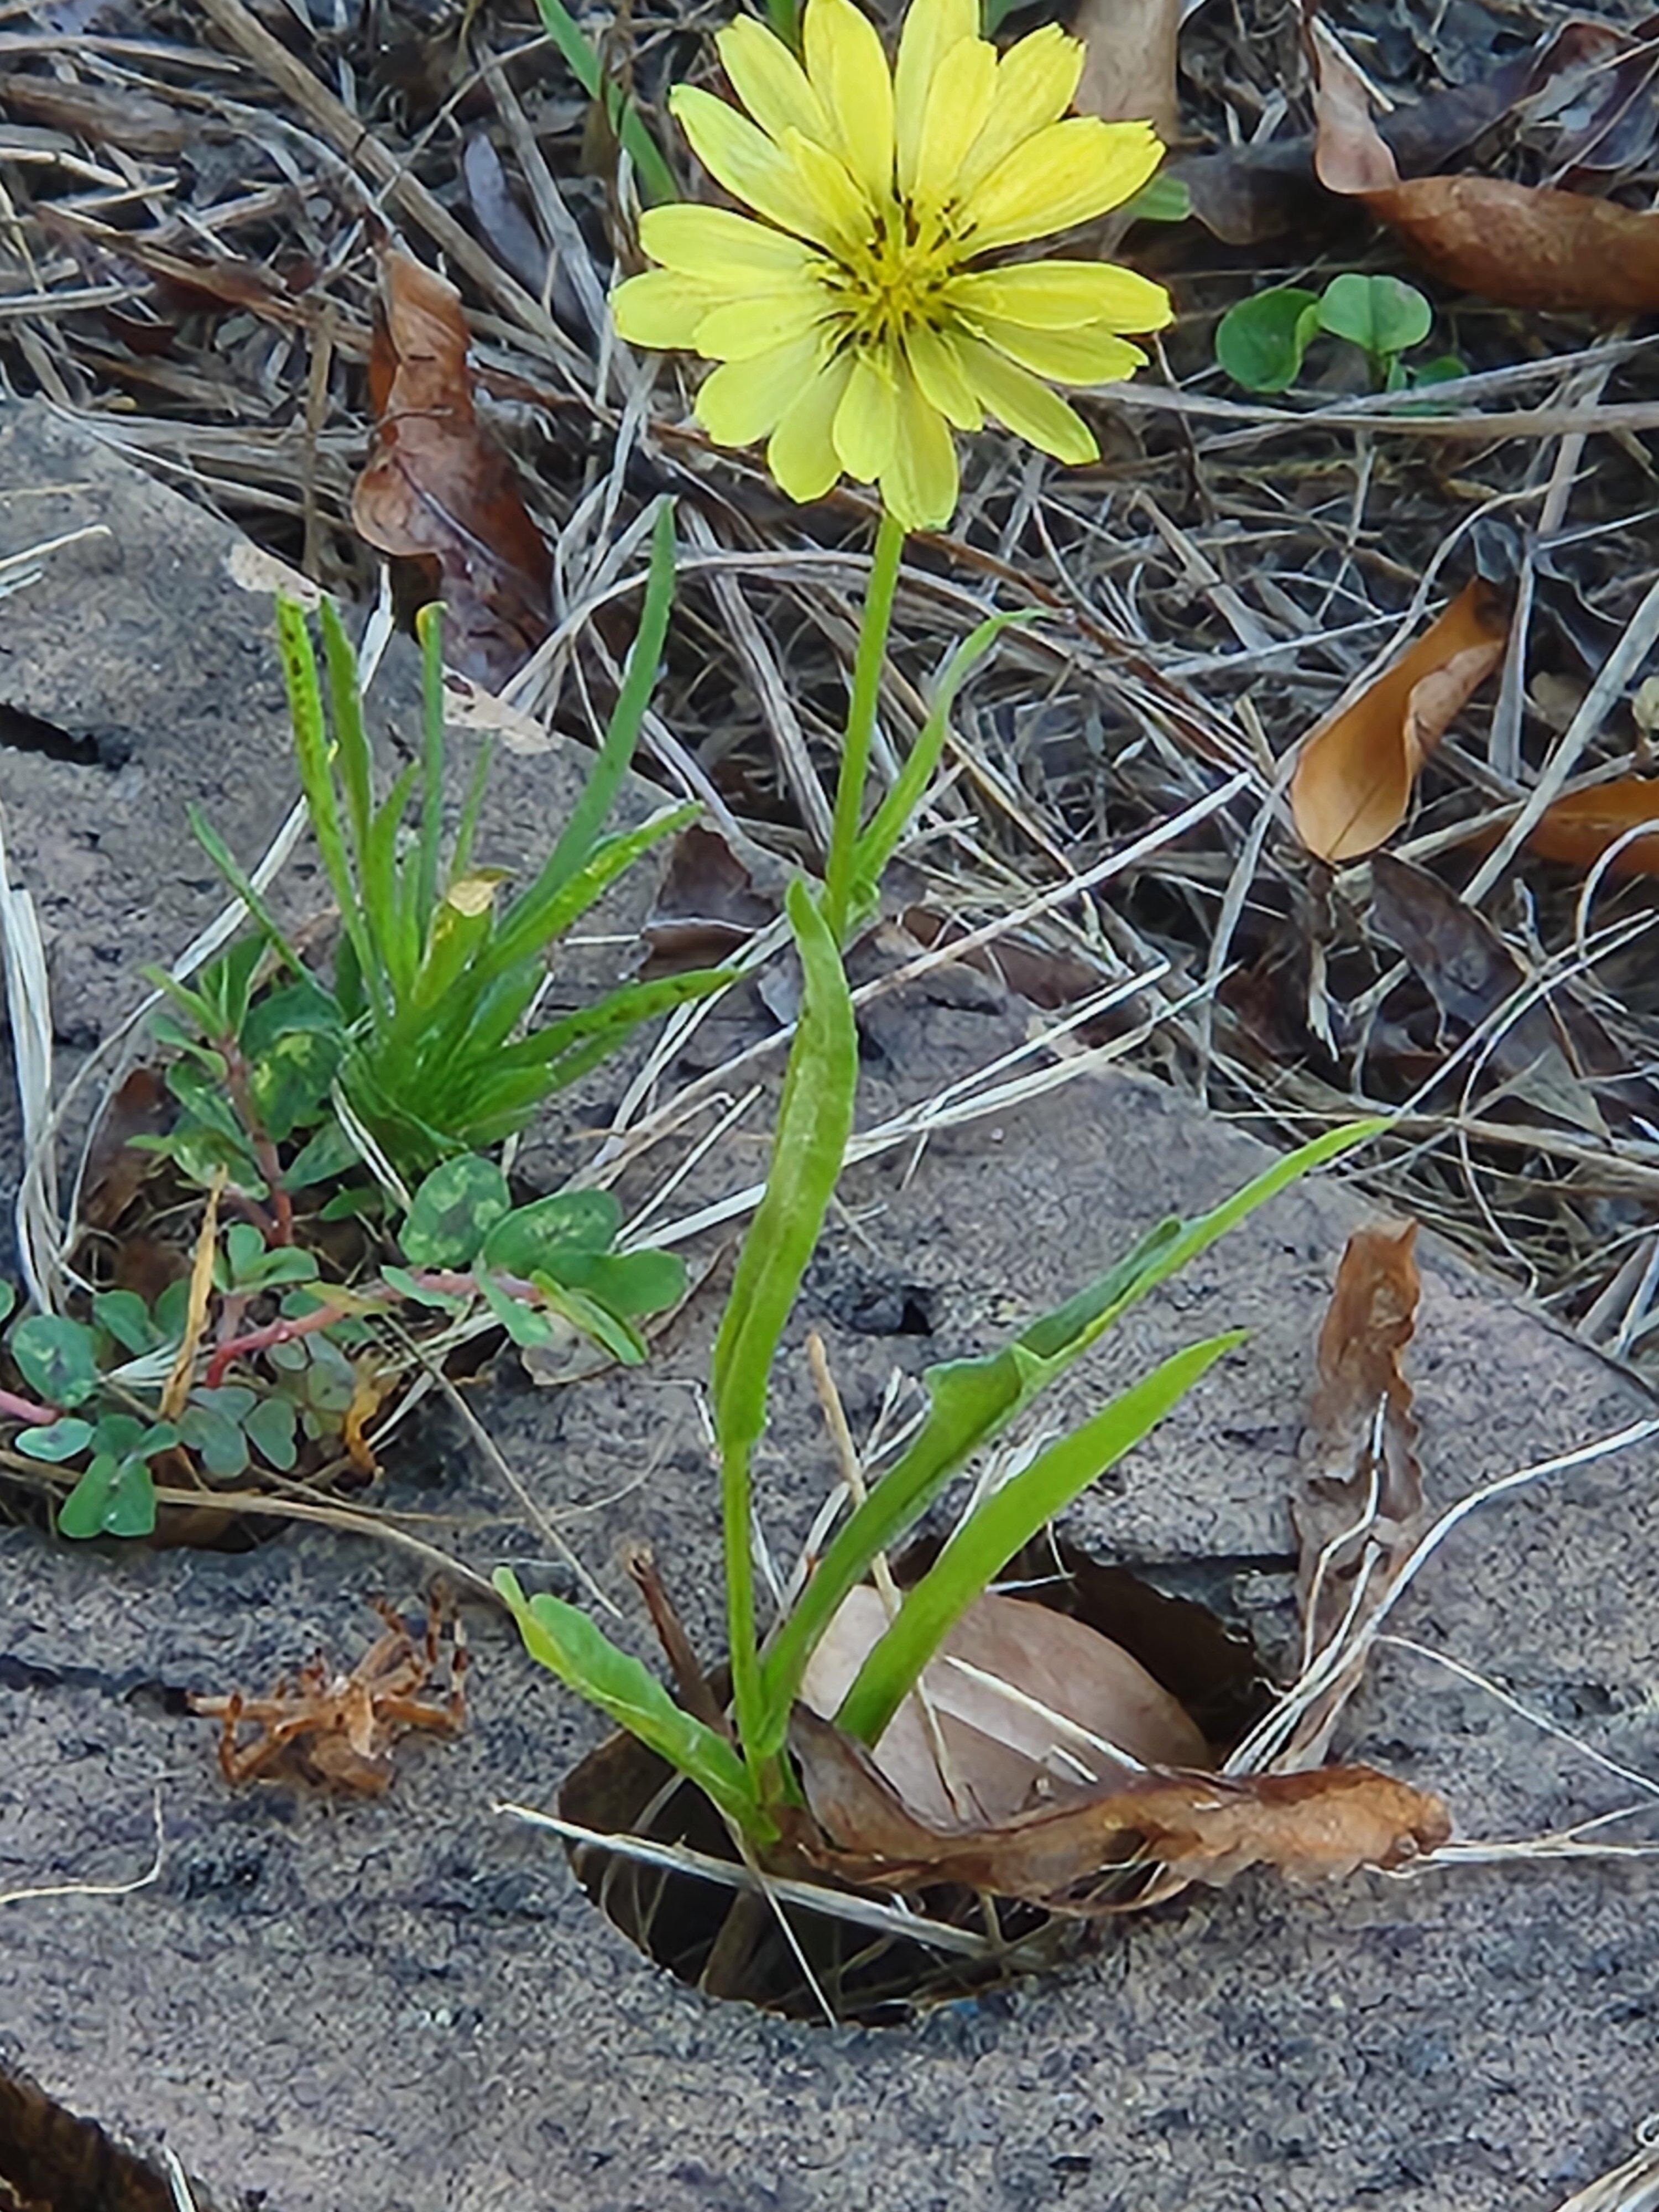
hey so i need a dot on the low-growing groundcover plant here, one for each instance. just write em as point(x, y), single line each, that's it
point(338, 1129)
point(1262, 341)
point(854, 328)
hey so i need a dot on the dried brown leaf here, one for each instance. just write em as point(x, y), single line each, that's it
point(985, 1751)
point(1524, 245)
point(1129, 63)
point(438, 490)
point(1473, 975)
point(1311, 1826)
point(1580, 827)
point(1367, 1327)
point(1353, 783)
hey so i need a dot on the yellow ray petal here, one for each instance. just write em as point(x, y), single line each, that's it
point(661, 308)
point(848, 71)
point(802, 455)
point(738, 155)
point(920, 483)
point(1060, 296)
point(936, 368)
point(956, 108)
point(1069, 173)
point(738, 329)
point(1085, 356)
point(721, 246)
point(1036, 80)
point(844, 210)
point(744, 400)
point(1027, 407)
point(770, 82)
point(932, 28)
point(865, 421)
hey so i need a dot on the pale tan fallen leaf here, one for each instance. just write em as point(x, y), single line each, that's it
point(1129, 63)
point(1353, 783)
point(1003, 1727)
point(1312, 1827)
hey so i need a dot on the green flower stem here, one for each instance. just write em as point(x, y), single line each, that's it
point(861, 724)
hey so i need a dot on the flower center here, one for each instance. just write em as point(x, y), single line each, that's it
point(895, 280)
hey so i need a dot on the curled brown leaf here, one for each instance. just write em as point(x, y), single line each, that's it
point(1353, 783)
point(1311, 1826)
point(438, 489)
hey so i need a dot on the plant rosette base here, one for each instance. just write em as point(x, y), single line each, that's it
point(729, 1942)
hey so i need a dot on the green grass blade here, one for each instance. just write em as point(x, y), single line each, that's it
point(242, 883)
point(345, 701)
point(429, 628)
point(569, 1645)
point(461, 859)
point(879, 839)
point(815, 1118)
point(387, 979)
point(611, 1018)
point(581, 56)
point(312, 755)
point(1005, 1521)
point(972, 1400)
point(552, 905)
point(611, 765)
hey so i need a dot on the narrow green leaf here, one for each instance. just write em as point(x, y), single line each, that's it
point(429, 629)
point(616, 1336)
point(1001, 1525)
point(8, 1298)
point(606, 1023)
point(542, 914)
point(973, 1400)
point(311, 754)
point(879, 839)
point(566, 1642)
point(525, 1324)
point(815, 1118)
point(351, 747)
point(582, 57)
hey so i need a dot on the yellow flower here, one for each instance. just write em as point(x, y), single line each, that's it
point(858, 323)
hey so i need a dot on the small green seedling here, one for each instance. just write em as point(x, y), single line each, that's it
point(1262, 342)
point(426, 1036)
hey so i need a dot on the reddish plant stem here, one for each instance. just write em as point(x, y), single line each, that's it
point(260, 1339)
point(265, 1151)
point(14, 1408)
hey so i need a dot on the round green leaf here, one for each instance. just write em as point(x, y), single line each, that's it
point(113, 1497)
point(633, 1282)
point(123, 1316)
point(1380, 315)
point(56, 1358)
point(8, 1299)
point(56, 1442)
point(539, 1235)
point(216, 1440)
point(454, 1212)
point(290, 1080)
point(270, 1430)
point(1260, 341)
